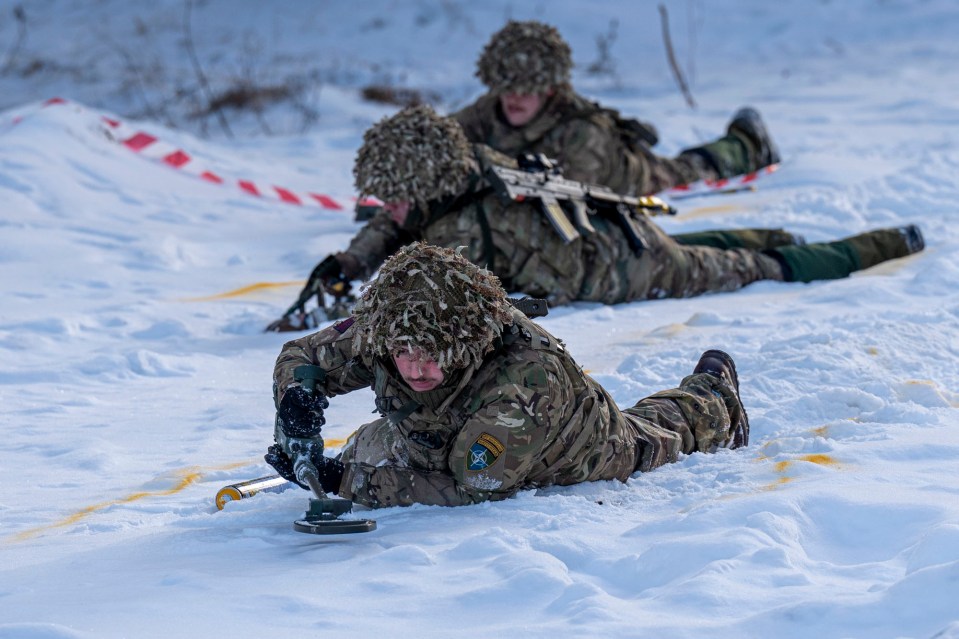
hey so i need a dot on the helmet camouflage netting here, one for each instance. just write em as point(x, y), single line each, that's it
point(525, 57)
point(433, 300)
point(414, 156)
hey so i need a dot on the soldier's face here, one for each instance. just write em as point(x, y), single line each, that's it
point(398, 211)
point(520, 108)
point(418, 370)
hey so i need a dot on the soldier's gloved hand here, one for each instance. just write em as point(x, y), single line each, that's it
point(329, 275)
point(330, 472)
point(282, 464)
point(301, 412)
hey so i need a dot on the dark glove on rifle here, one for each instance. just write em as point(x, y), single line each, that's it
point(327, 275)
point(329, 470)
point(301, 412)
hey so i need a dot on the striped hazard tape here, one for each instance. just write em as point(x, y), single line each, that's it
point(745, 182)
point(151, 147)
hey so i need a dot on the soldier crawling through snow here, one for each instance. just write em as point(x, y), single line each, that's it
point(531, 107)
point(477, 402)
point(437, 188)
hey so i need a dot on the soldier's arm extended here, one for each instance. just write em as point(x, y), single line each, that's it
point(515, 419)
point(376, 241)
point(307, 371)
point(331, 350)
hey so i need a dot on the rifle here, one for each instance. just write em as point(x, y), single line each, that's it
point(538, 177)
point(531, 307)
point(325, 278)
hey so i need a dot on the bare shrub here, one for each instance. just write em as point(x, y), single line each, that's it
point(385, 94)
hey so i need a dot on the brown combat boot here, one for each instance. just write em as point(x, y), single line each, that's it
point(719, 364)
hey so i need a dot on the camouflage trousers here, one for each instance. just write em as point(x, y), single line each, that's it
point(656, 173)
point(666, 268)
point(726, 157)
point(702, 415)
point(756, 239)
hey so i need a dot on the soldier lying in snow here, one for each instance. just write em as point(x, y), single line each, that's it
point(532, 108)
point(438, 188)
point(476, 401)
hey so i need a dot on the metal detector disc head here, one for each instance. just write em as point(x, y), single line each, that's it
point(322, 519)
point(334, 526)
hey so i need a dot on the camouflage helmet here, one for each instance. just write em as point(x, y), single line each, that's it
point(525, 57)
point(415, 156)
point(432, 300)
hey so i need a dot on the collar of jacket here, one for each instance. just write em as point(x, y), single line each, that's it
point(554, 112)
point(437, 400)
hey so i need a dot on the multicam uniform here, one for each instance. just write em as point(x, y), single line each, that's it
point(523, 417)
point(590, 146)
point(517, 243)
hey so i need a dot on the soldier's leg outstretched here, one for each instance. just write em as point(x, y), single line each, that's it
point(703, 414)
point(667, 268)
point(757, 239)
point(834, 260)
point(746, 147)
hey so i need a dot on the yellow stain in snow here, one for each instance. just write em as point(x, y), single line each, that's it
point(244, 290)
point(822, 431)
point(782, 467)
point(776, 484)
point(186, 477)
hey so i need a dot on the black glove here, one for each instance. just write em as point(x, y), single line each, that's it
point(328, 274)
point(331, 474)
point(301, 412)
point(282, 464)
point(329, 470)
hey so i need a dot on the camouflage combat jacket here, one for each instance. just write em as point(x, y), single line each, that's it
point(524, 417)
point(517, 243)
point(569, 128)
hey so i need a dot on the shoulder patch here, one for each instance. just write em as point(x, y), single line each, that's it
point(484, 452)
point(342, 327)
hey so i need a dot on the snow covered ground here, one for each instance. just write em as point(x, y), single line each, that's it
point(128, 397)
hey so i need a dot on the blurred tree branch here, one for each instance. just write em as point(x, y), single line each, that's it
point(21, 18)
point(671, 56)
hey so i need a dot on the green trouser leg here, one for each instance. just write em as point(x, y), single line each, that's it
point(756, 239)
point(728, 155)
point(835, 260)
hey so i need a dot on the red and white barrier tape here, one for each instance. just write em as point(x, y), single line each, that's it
point(151, 147)
point(722, 185)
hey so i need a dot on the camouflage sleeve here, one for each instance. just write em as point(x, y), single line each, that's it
point(385, 486)
point(330, 349)
point(516, 419)
point(593, 154)
point(376, 241)
point(497, 448)
point(474, 119)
